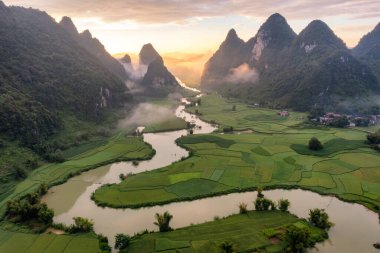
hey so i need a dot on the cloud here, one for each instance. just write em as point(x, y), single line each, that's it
point(243, 74)
point(145, 114)
point(180, 11)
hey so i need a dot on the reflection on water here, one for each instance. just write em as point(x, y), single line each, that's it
point(72, 199)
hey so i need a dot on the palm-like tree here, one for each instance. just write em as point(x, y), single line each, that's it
point(227, 247)
point(163, 220)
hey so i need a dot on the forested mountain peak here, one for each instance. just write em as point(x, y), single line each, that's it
point(148, 54)
point(318, 33)
point(68, 25)
point(48, 72)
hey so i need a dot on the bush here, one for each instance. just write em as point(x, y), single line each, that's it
point(373, 138)
point(243, 208)
point(20, 173)
point(260, 192)
point(340, 122)
point(81, 225)
point(283, 205)
point(103, 244)
point(29, 209)
point(227, 247)
point(319, 218)
point(315, 144)
point(122, 241)
point(263, 204)
point(297, 239)
point(56, 157)
point(228, 129)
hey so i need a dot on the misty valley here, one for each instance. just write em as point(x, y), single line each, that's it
point(269, 144)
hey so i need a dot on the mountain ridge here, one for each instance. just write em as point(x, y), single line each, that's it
point(313, 68)
point(95, 47)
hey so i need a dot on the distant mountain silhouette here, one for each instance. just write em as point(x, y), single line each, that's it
point(303, 71)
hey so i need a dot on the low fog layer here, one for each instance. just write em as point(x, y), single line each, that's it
point(135, 73)
point(243, 74)
point(146, 113)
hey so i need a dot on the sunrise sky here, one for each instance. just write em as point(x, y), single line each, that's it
point(201, 25)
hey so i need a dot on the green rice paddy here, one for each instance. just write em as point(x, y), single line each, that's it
point(251, 232)
point(275, 155)
point(117, 148)
point(13, 242)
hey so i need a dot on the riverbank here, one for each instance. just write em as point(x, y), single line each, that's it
point(254, 231)
point(109, 221)
point(118, 148)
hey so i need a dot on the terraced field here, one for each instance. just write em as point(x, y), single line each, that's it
point(223, 163)
point(218, 109)
point(38, 243)
point(117, 148)
point(248, 232)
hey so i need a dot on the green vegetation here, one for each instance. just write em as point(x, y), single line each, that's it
point(297, 239)
point(30, 211)
point(263, 204)
point(283, 205)
point(315, 144)
point(373, 140)
point(36, 243)
point(103, 244)
point(163, 221)
point(215, 108)
point(167, 125)
point(224, 163)
point(319, 218)
point(122, 242)
point(81, 225)
point(261, 231)
point(118, 148)
point(243, 208)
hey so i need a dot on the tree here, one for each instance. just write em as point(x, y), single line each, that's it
point(319, 218)
point(260, 192)
point(316, 112)
point(243, 208)
point(43, 189)
point(227, 247)
point(340, 122)
point(374, 138)
point(163, 221)
point(45, 214)
point(297, 239)
point(81, 225)
point(103, 244)
point(122, 241)
point(263, 204)
point(228, 129)
point(283, 205)
point(20, 173)
point(315, 144)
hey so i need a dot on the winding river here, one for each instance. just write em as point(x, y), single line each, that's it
point(356, 228)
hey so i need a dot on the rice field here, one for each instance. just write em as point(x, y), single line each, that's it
point(251, 232)
point(36, 243)
point(118, 148)
point(222, 163)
